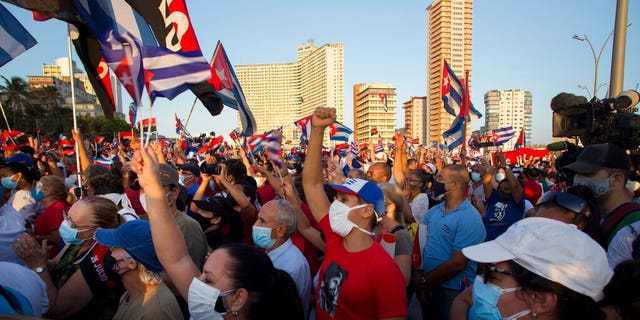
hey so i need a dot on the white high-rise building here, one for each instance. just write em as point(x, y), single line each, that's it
point(506, 108)
point(279, 94)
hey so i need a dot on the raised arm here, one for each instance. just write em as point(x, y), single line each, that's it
point(400, 167)
point(312, 180)
point(168, 241)
point(304, 226)
point(82, 151)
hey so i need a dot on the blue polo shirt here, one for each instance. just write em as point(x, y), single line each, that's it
point(446, 232)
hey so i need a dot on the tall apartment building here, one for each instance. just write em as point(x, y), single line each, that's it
point(415, 120)
point(506, 108)
point(368, 109)
point(449, 24)
point(279, 94)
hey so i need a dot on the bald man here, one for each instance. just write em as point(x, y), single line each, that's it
point(453, 224)
point(379, 172)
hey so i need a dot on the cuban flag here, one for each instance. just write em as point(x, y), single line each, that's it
point(472, 113)
point(254, 143)
point(338, 131)
point(454, 136)
point(502, 135)
point(133, 112)
point(167, 73)
point(272, 143)
point(229, 90)
point(122, 53)
point(452, 90)
point(180, 129)
point(14, 38)
point(453, 95)
point(380, 146)
point(383, 97)
point(305, 126)
point(520, 142)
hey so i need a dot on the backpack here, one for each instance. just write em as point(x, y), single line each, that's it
point(612, 222)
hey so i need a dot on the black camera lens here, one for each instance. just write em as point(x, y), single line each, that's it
point(210, 168)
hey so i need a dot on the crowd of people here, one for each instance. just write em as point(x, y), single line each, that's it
point(163, 233)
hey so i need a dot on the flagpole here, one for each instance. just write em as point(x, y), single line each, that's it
point(73, 105)
point(7, 122)
point(466, 109)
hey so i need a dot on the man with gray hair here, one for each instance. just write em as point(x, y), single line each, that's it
point(277, 221)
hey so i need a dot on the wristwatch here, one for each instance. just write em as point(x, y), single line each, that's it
point(39, 269)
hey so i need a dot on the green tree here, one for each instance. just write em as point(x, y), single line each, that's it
point(16, 94)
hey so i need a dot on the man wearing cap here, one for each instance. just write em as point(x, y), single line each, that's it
point(147, 297)
point(604, 168)
point(357, 279)
point(539, 268)
point(451, 225)
point(277, 221)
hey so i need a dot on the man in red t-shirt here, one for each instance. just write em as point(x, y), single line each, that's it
point(358, 279)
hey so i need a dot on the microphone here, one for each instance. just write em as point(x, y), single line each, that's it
point(560, 146)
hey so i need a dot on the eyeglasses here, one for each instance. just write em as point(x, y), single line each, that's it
point(73, 225)
point(566, 200)
point(488, 268)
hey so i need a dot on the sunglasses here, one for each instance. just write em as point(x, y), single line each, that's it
point(566, 200)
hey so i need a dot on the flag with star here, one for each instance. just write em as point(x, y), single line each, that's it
point(383, 97)
point(228, 88)
point(122, 53)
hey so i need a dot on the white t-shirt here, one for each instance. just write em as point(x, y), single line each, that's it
point(620, 247)
point(23, 202)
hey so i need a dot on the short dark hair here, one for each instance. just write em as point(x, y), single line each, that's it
point(105, 184)
point(272, 292)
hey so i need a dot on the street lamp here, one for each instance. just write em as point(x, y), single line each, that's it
point(596, 59)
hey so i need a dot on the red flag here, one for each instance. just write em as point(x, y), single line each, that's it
point(374, 131)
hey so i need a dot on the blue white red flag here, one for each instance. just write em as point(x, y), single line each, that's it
point(180, 129)
point(235, 134)
point(254, 143)
point(228, 88)
point(133, 113)
point(502, 135)
point(454, 136)
point(520, 141)
point(305, 126)
point(379, 147)
point(272, 143)
point(338, 131)
point(122, 53)
point(14, 38)
point(383, 97)
point(168, 73)
point(472, 113)
point(453, 95)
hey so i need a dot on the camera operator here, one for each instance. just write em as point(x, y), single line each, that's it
point(604, 168)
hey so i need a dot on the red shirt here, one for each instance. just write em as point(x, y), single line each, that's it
point(49, 221)
point(134, 198)
point(358, 285)
point(532, 191)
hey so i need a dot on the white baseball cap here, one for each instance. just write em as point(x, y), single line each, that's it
point(553, 250)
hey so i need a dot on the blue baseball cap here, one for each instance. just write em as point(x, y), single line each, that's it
point(21, 158)
point(135, 238)
point(367, 190)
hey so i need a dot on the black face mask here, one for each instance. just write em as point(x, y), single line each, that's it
point(504, 196)
point(438, 189)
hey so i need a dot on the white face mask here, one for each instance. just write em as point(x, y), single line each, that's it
point(339, 219)
point(202, 300)
point(143, 200)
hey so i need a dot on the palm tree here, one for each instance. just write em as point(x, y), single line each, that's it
point(15, 93)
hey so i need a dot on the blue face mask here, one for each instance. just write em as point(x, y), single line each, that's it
point(8, 183)
point(475, 177)
point(262, 237)
point(485, 301)
point(36, 192)
point(181, 180)
point(69, 234)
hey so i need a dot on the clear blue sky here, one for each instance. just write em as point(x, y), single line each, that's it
point(516, 44)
